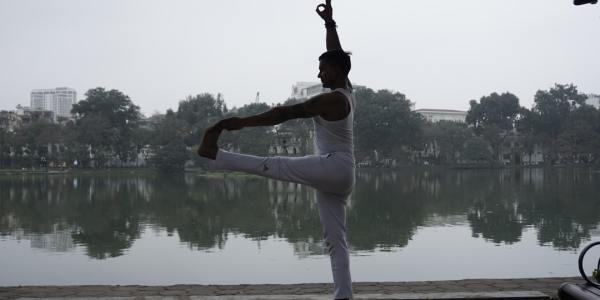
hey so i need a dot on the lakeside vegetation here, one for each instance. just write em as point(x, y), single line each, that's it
point(109, 131)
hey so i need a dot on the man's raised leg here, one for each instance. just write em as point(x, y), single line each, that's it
point(308, 170)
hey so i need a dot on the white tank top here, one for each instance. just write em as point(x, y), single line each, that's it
point(335, 136)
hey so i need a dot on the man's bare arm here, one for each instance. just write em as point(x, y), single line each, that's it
point(332, 40)
point(320, 105)
point(278, 115)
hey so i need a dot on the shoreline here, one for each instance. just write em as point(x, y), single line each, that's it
point(461, 289)
point(211, 173)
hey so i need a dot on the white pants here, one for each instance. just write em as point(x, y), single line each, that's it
point(332, 175)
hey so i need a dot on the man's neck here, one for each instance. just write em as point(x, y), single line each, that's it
point(341, 84)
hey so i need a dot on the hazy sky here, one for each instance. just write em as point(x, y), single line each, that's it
point(440, 53)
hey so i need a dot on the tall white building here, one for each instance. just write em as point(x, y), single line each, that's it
point(59, 100)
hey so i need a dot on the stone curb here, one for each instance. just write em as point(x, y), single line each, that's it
point(516, 295)
point(547, 286)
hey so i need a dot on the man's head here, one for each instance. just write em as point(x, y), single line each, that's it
point(334, 66)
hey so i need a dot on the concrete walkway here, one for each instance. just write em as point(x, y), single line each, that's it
point(531, 288)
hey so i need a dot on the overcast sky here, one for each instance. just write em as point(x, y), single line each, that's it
point(440, 53)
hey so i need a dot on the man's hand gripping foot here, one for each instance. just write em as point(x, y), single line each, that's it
point(209, 147)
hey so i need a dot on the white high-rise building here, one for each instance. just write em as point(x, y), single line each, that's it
point(59, 100)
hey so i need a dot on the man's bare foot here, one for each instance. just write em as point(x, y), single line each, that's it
point(209, 147)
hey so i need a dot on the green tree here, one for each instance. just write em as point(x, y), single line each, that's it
point(252, 140)
point(578, 141)
point(385, 122)
point(477, 150)
point(553, 108)
point(199, 112)
point(526, 127)
point(105, 121)
point(200, 108)
point(142, 138)
point(171, 157)
point(168, 127)
point(446, 140)
point(168, 146)
point(6, 148)
point(37, 142)
point(494, 117)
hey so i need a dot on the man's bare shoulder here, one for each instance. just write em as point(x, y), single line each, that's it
point(335, 106)
point(331, 98)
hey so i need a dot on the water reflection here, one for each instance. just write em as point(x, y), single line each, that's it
point(107, 213)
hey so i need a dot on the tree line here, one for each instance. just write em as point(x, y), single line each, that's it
point(108, 130)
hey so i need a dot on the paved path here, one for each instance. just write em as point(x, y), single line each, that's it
point(454, 289)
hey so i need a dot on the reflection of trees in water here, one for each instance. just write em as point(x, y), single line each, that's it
point(107, 213)
point(295, 211)
point(565, 208)
point(99, 211)
point(207, 211)
point(491, 200)
point(188, 211)
point(108, 220)
point(560, 204)
point(384, 213)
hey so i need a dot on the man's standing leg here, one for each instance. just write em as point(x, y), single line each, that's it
point(332, 213)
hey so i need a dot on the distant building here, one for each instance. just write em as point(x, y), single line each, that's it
point(29, 115)
point(512, 151)
point(59, 240)
point(59, 100)
point(593, 100)
point(9, 121)
point(286, 144)
point(436, 115)
point(304, 90)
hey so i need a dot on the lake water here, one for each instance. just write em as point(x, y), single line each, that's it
point(143, 228)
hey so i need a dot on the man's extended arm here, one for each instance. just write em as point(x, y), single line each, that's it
point(332, 40)
point(274, 116)
point(324, 105)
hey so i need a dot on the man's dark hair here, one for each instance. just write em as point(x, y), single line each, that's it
point(338, 58)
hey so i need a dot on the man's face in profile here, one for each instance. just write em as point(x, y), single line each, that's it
point(327, 74)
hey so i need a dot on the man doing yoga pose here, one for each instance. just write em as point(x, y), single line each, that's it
point(330, 171)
